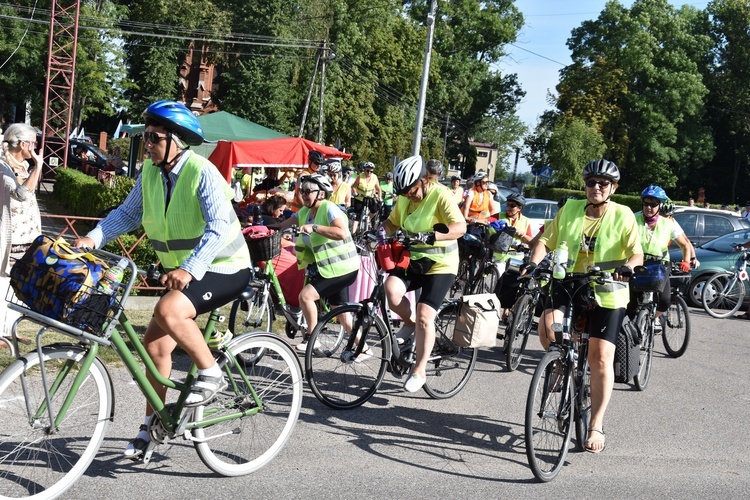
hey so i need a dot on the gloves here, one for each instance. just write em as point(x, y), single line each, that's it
point(498, 225)
point(528, 267)
point(624, 271)
point(426, 238)
point(510, 230)
point(685, 266)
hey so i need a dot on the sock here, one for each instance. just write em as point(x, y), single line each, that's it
point(214, 371)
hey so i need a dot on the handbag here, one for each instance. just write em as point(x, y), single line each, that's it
point(478, 320)
point(59, 281)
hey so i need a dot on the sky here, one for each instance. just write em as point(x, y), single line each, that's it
point(541, 51)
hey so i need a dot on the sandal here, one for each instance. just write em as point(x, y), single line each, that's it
point(207, 387)
point(595, 440)
point(137, 446)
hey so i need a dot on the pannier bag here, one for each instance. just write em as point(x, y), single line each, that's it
point(627, 353)
point(392, 255)
point(59, 281)
point(478, 320)
point(650, 277)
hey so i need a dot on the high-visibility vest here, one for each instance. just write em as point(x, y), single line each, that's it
point(339, 194)
point(609, 251)
point(366, 187)
point(656, 244)
point(480, 209)
point(176, 230)
point(333, 257)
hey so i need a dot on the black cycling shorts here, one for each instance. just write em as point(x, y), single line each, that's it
point(216, 290)
point(334, 290)
point(434, 287)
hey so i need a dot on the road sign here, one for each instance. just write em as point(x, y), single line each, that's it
point(545, 173)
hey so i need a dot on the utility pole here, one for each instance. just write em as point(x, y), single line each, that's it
point(445, 139)
point(515, 165)
point(309, 95)
point(425, 76)
point(324, 58)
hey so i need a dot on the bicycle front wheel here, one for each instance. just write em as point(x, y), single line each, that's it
point(549, 417)
point(337, 378)
point(489, 279)
point(461, 282)
point(517, 333)
point(251, 420)
point(450, 365)
point(645, 327)
point(676, 331)
point(722, 295)
point(583, 402)
point(37, 459)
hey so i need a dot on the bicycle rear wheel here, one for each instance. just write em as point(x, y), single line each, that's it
point(549, 418)
point(252, 315)
point(450, 365)
point(462, 280)
point(253, 437)
point(723, 295)
point(517, 333)
point(487, 282)
point(336, 377)
point(676, 331)
point(35, 458)
point(646, 330)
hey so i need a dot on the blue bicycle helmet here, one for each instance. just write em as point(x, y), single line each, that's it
point(176, 118)
point(654, 192)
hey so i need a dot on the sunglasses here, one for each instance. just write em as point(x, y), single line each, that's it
point(153, 137)
point(602, 184)
point(485, 182)
point(650, 205)
point(305, 192)
point(512, 205)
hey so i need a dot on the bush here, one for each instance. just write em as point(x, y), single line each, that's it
point(553, 193)
point(84, 195)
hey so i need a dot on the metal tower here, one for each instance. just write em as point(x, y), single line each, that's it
point(58, 89)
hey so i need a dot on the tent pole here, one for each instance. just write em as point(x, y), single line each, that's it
point(309, 95)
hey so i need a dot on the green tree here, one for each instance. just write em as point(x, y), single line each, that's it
point(572, 145)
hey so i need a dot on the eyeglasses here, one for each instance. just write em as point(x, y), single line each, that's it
point(602, 184)
point(305, 192)
point(485, 182)
point(650, 205)
point(512, 205)
point(30, 143)
point(153, 137)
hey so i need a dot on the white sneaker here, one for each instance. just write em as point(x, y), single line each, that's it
point(406, 332)
point(414, 383)
point(657, 325)
point(363, 356)
point(302, 346)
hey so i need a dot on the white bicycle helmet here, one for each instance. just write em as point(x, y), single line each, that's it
point(318, 179)
point(478, 177)
point(407, 174)
point(333, 166)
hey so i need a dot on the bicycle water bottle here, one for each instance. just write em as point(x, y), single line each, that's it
point(561, 261)
point(112, 278)
point(381, 236)
point(257, 216)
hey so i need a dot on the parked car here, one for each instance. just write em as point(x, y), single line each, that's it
point(714, 256)
point(702, 225)
point(538, 211)
point(94, 156)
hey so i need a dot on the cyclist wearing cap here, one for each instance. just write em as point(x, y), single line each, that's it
point(316, 159)
point(507, 286)
point(477, 202)
point(656, 232)
point(386, 187)
point(184, 205)
point(434, 264)
point(598, 232)
point(456, 190)
point(325, 247)
point(342, 192)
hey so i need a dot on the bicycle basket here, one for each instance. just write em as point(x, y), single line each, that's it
point(61, 298)
point(649, 278)
point(262, 246)
point(470, 245)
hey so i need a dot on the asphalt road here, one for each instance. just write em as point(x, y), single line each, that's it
point(684, 437)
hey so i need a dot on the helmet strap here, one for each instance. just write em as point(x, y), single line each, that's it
point(165, 161)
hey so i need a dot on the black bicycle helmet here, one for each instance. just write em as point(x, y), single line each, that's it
point(407, 174)
point(176, 118)
point(320, 180)
point(602, 168)
point(455, 178)
point(516, 198)
point(316, 157)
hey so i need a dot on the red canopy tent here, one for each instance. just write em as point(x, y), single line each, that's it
point(285, 152)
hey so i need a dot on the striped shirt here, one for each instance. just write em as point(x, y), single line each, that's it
point(217, 216)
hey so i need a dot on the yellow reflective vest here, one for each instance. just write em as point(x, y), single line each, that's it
point(333, 257)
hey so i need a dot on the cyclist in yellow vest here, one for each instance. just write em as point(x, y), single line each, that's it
point(184, 205)
point(325, 247)
point(477, 201)
point(366, 184)
point(434, 264)
point(342, 192)
point(315, 159)
point(386, 187)
point(598, 232)
point(656, 232)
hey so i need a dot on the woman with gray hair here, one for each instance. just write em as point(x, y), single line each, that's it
point(21, 222)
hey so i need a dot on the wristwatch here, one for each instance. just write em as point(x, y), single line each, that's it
point(315, 228)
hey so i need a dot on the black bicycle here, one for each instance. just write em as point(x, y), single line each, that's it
point(643, 320)
point(560, 393)
point(477, 270)
point(676, 320)
point(344, 375)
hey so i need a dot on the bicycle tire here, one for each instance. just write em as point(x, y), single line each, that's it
point(723, 295)
point(645, 326)
point(517, 333)
point(462, 280)
point(335, 377)
point(251, 315)
point(451, 365)
point(549, 419)
point(41, 464)
point(583, 402)
point(242, 445)
point(676, 327)
point(489, 279)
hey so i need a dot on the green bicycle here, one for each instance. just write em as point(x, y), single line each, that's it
point(57, 401)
